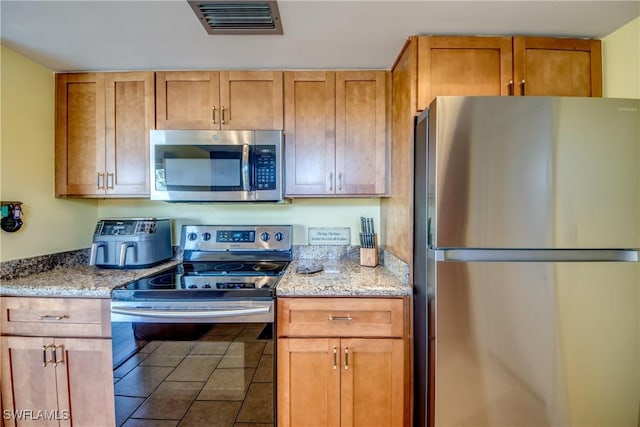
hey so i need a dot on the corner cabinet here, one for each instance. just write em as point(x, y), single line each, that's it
point(342, 362)
point(102, 134)
point(56, 362)
point(336, 133)
point(219, 100)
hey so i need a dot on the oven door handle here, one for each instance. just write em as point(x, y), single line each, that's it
point(189, 313)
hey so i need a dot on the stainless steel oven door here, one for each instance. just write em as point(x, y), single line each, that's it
point(183, 311)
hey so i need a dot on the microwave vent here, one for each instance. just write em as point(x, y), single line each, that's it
point(238, 16)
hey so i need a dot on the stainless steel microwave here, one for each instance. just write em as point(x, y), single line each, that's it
point(223, 165)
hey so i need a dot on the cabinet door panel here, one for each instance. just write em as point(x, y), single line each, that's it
point(80, 120)
point(309, 132)
point(557, 67)
point(308, 382)
point(187, 99)
point(361, 132)
point(26, 384)
point(86, 373)
point(251, 99)
point(372, 379)
point(464, 66)
point(130, 106)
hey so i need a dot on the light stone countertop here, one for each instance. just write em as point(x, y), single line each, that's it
point(76, 281)
point(340, 278)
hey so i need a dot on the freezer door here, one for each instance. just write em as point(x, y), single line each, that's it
point(534, 172)
point(536, 344)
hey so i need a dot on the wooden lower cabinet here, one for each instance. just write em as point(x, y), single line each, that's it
point(342, 362)
point(56, 364)
point(340, 382)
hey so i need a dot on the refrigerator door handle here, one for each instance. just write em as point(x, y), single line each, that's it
point(542, 255)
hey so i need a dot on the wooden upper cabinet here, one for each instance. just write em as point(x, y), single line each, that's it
point(361, 126)
point(336, 132)
point(219, 100)
point(557, 67)
point(102, 133)
point(309, 128)
point(459, 66)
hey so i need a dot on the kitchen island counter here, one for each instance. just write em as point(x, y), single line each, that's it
point(340, 278)
point(76, 281)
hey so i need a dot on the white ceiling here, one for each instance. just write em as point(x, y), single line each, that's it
point(163, 35)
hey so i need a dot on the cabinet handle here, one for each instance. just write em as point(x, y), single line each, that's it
point(222, 115)
point(330, 181)
point(56, 362)
point(213, 114)
point(347, 317)
point(346, 358)
point(335, 358)
point(522, 87)
point(510, 87)
point(98, 184)
point(340, 181)
point(44, 355)
point(112, 176)
point(52, 317)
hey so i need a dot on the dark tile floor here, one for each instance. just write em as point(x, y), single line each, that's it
point(225, 379)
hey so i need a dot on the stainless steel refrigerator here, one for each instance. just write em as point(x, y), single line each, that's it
point(526, 262)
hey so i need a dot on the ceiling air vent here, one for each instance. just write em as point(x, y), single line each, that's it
point(238, 16)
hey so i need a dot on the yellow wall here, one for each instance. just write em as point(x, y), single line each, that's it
point(26, 164)
point(302, 213)
point(621, 62)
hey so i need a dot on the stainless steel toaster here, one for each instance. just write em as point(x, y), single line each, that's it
point(130, 242)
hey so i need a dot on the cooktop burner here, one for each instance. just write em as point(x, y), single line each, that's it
point(239, 267)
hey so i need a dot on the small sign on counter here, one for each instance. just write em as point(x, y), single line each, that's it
point(329, 236)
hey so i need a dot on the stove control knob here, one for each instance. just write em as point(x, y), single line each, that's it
point(279, 236)
point(206, 236)
point(192, 236)
point(265, 237)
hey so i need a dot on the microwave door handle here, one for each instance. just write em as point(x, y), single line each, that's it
point(246, 175)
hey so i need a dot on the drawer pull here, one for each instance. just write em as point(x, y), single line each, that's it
point(335, 358)
point(346, 358)
point(51, 317)
point(347, 317)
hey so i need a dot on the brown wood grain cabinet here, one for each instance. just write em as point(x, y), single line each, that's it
point(219, 100)
point(546, 66)
point(102, 134)
point(53, 376)
point(430, 66)
point(336, 133)
point(342, 362)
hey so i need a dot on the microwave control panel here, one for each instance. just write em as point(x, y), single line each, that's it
point(265, 167)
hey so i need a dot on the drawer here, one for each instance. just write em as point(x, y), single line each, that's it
point(340, 317)
point(55, 317)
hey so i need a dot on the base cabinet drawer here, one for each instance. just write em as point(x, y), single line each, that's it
point(56, 317)
point(340, 317)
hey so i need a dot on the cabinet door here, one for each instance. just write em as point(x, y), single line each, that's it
point(80, 121)
point(28, 387)
point(361, 140)
point(308, 382)
point(130, 114)
point(85, 372)
point(187, 100)
point(450, 65)
point(557, 67)
point(372, 382)
point(251, 100)
point(309, 132)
